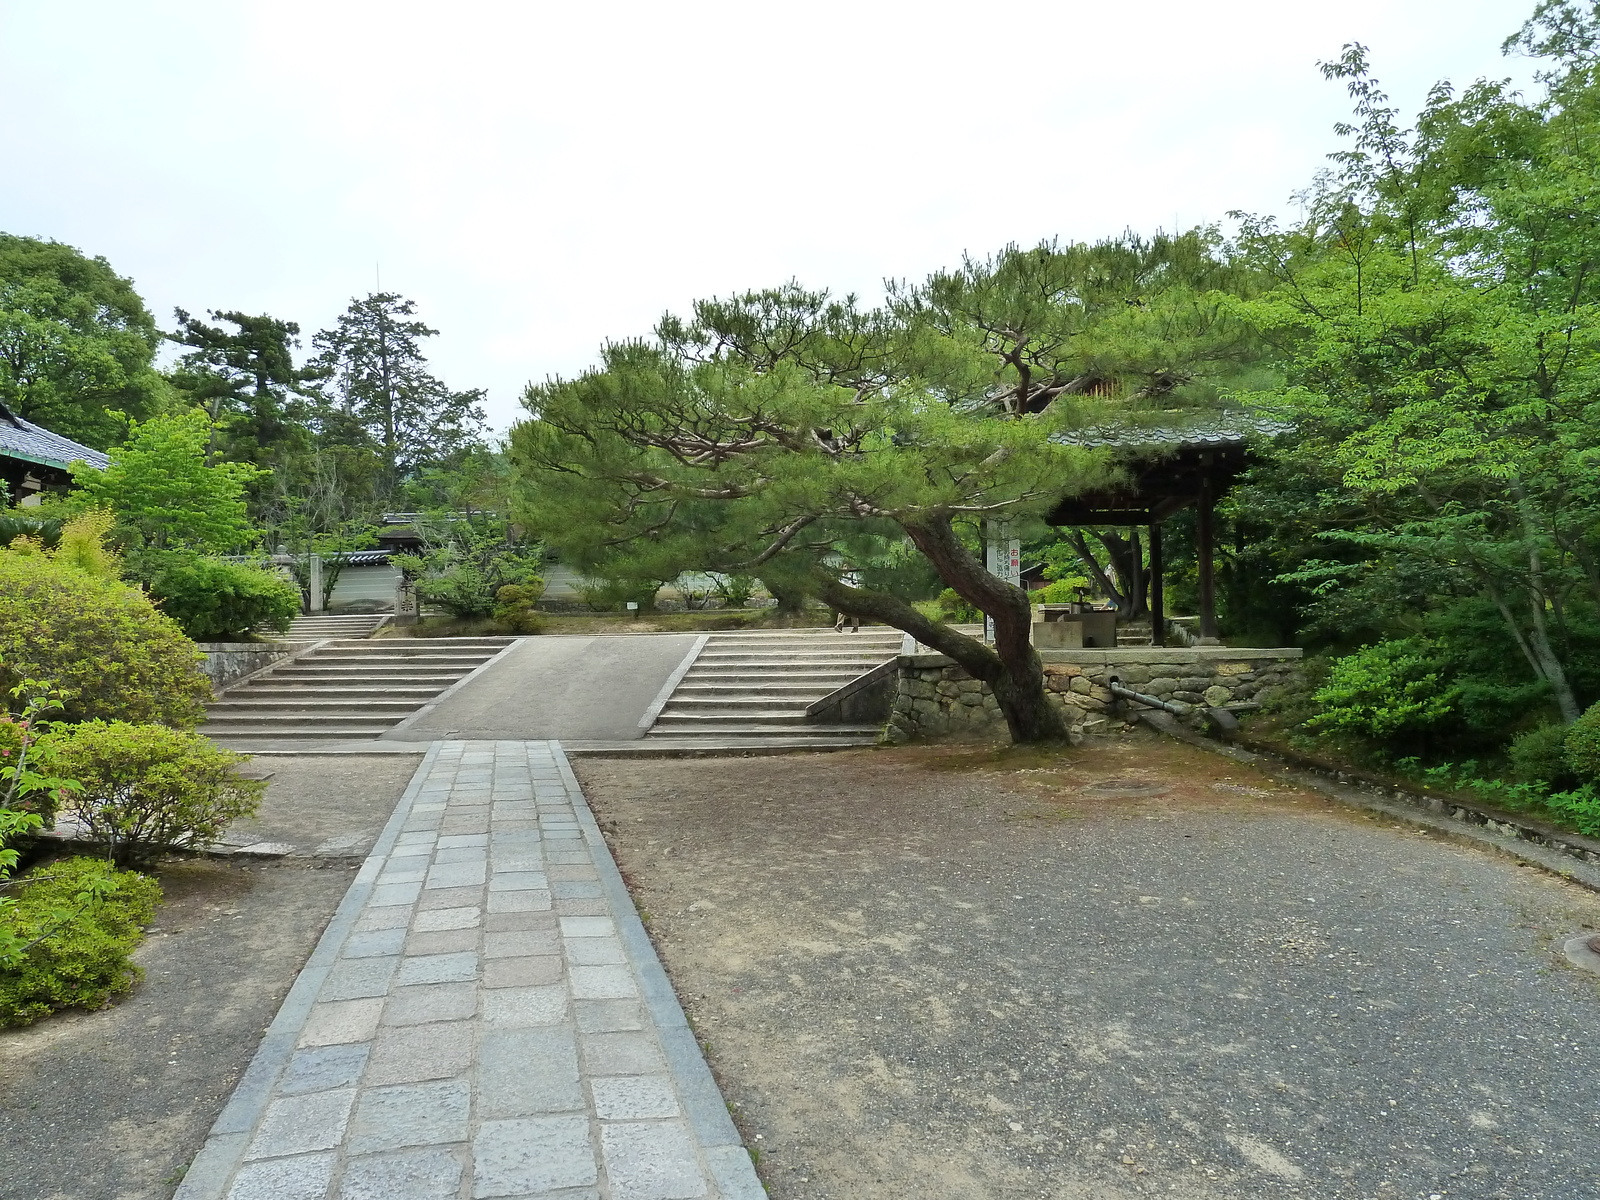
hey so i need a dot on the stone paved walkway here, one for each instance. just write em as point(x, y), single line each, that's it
point(484, 1017)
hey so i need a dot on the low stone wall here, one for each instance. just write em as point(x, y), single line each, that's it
point(937, 700)
point(228, 662)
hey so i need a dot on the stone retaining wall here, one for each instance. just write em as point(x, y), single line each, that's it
point(228, 662)
point(937, 700)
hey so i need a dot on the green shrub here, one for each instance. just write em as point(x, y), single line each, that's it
point(514, 603)
point(147, 789)
point(953, 608)
point(1390, 694)
point(611, 595)
point(99, 641)
point(215, 600)
point(83, 918)
point(44, 530)
point(1539, 756)
point(1059, 591)
point(1578, 809)
point(734, 590)
point(1581, 746)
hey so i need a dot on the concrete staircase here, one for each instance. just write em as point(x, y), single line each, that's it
point(335, 625)
point(749, 690)
point(344, 690)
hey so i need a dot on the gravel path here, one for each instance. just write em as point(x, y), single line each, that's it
point(1134, 969)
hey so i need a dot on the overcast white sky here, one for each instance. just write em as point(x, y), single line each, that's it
point(542, 176)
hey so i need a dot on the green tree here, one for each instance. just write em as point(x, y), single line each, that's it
point(165, 492)
point(76, 343)
point(382, 386)
point(793, 435)
point(1435, 316)
point(247, 381)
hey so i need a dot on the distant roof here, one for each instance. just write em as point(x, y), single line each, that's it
point(33, 443)
point(1212, 429)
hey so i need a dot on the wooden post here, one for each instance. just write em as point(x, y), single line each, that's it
point(1203, 547)
point(1158, 610)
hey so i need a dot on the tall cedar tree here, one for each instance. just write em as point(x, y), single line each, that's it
point(380, 382)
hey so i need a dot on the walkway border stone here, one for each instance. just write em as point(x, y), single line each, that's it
point(484, 1016)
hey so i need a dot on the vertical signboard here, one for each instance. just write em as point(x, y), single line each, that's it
point(1003, 557)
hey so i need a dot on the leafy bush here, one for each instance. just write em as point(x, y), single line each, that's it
point(953, 608)
point(99, 641)
point(610, 595)
point(514, 606)
point(82, 544)
point(1581, 746)
point(734, 590)
point(1539, 756)
point(216, 600)
point(44, 530)
point(147, 789)
point(78, 919)
point(1058, 591)
point(1390, 693)
point(1578, 808)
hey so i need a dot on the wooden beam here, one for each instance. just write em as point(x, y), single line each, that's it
point(1158, 610)
point(1204, 543)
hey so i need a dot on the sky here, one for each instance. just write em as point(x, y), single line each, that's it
point(541, 177)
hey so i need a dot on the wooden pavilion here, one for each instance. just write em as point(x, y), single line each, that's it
point(1168, 469)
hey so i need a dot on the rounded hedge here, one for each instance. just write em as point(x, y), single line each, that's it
point(215, 600)
point(1582, 745)
point(98, 640)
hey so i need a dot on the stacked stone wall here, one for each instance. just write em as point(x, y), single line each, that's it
point(935, 700)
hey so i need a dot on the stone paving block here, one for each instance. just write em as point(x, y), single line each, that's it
point(414, 1053)
point(431, 1002)
point(447, 918)
point(456, 897)
point(522, 1158)
point(374, 943)
point(521, 942)
point(520, 1007)
point(622, 1054)
point(574, 873)
point(567, 857)
point(461, 854)
point(575, 890)
point(330, 1024)
point(517, 881)
point(528, 971)
point(634, 1097)
point(420, 1114)
point(608, 1016)
point(303, 1178)
point(358, 977)
point(582, 908)
point(519, 902)
point(443, 941)
point(394, 893)
point(518, 860)
point(595, 952)
point(579, 927)
point(437, 968)
point(300, 1124)
point(602, 983)
point(461, 826)
point(527, 1072)
point(405, 1175)
point(383, 918)
point(322, 1068)
point(513, 921)
point(457, 874)
point(651, 1161)
point(458, 839)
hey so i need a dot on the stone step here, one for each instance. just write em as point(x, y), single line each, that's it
point(742, 716)
point(681, 703)
point(759, 686)
point(335, 731)
point(347, 719)
point(268, 689)
point(269, 705)
point(714, 674)
point(302, 670)
point(757, 730)
point(463, 658)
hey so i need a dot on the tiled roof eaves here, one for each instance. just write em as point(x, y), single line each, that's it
point(23, 440)
point(1229, 430)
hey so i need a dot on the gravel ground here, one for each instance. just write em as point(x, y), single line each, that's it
point(1133, 969)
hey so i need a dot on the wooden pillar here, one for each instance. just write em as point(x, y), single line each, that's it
point(1158, 609)
point(1204, 542)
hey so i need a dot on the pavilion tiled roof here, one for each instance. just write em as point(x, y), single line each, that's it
point(20, 439)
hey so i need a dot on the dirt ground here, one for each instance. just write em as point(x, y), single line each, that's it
point(1133, 969)
point(112, 1105)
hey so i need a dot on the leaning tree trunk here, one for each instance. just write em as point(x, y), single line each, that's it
point(1011, 668)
